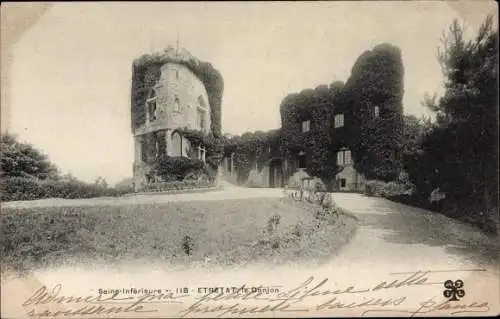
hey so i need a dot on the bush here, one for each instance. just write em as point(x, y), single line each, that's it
point(385, 189)
point(486, 220)
point(22, 188)
point(178, 167)
point(178, 185)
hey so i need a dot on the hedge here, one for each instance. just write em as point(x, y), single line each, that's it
point(22, 188)
point(385, 189)
point(178, 185)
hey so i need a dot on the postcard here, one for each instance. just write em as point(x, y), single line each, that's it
point(249, 159)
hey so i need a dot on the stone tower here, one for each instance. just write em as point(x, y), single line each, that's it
point(166, 96)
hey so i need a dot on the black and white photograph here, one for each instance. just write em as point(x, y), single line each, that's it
point(253, 159)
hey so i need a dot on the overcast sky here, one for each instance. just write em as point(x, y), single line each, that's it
point(70, 84)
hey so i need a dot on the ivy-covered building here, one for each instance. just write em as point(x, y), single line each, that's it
point(339, 134)
point(174, 97)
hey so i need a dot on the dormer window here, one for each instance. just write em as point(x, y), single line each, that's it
point(151, 104)
point(376, 111)
point(306, 126)
point(339, 120)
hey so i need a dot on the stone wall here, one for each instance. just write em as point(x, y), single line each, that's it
point(228, 172)
point(180, 95)
point(353, 181)
point(258, 177)
point(177, 83)
point(296, 177)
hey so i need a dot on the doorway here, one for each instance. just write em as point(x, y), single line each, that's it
point(276, 173)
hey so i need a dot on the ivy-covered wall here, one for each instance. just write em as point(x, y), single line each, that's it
point(146, 72)
point(319, 143)
point(192, 78)
point(376, 80)
point(251, 149)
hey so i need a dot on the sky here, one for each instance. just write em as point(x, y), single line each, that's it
point(71, 71)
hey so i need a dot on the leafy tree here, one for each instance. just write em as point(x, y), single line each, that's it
point(125, 183)
point(19, 159)
point(414, 131)
point(101, 182)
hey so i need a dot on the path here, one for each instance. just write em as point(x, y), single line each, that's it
point(400, 234)
point(228, 191)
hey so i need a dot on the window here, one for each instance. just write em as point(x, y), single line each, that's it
point(144, 151)
point(344, 157)
point(151, 105)
point(161, 147)
point(339, 120)
point(187, 148)
point(342, 182)
point(152, 110)
point(201, 153)
point(306, 126)
point(301, 160)
point(376, 111)
point(200, 118)
point(230, 163)
point(176, 144)
point(177, 107)
point(395, 155)
point(201, 102)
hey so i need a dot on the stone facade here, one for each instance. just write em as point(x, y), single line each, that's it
point(286, 172)
point(290, 169)
point(349, 180)
point(176, 99)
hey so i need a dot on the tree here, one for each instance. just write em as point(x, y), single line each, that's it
point(23, 160)
point(460, 154)
point(414, 131)
point(101, 182)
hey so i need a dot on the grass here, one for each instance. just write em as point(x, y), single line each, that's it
point(226, 233)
